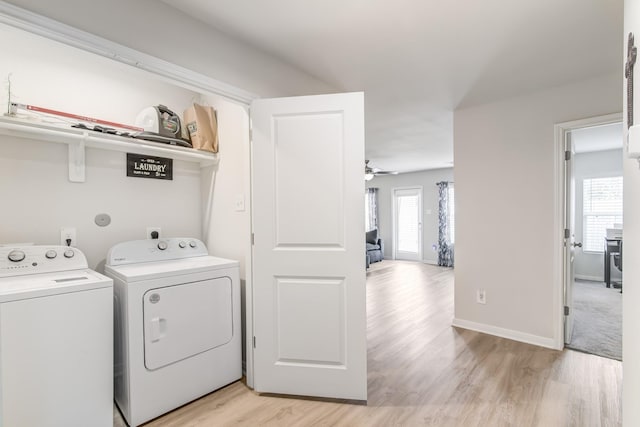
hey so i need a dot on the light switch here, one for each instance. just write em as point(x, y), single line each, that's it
point(239, 203)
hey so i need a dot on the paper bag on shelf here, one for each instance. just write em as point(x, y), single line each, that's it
point(202, 124)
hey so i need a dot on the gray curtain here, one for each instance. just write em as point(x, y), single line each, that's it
point(371, 205)
point(445, 248)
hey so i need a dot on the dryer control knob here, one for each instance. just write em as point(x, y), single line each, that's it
point(16, 256)
point(51, 254)
point(182, 245)
point(69, 253)
point(162, 245)
point(192, 244)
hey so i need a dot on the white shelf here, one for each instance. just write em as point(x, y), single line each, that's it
point(78, 139)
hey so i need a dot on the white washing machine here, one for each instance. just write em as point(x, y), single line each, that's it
point(56, 339)
point(177, 324)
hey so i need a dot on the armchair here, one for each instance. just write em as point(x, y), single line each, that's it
point(375, 247)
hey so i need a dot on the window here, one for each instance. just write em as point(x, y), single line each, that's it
point(451, 214)
point(602, 208)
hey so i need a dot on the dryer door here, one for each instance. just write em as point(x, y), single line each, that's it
point(185, 320)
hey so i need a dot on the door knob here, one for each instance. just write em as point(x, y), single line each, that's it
point(577, 245)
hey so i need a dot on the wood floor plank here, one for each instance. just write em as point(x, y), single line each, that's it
point(424, 372)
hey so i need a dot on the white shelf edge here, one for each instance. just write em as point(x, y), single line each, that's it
point(78, 139)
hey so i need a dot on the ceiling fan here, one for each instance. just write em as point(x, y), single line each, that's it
point(370, 172)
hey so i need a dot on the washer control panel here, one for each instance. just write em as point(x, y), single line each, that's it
point(20, 260)
point(151, 250)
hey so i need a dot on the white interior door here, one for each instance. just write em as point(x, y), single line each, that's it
point(569, 237)
point(309, 249)
point(407, 209)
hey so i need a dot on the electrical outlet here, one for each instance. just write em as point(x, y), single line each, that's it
point(151, 230)
point(481, 296)
point(68, 236)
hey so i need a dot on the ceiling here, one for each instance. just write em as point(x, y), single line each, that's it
point(419, 60)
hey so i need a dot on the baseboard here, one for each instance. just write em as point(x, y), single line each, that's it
point(507, 333)
point(590, 278)
point(430, 261)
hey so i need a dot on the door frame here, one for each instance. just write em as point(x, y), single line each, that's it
point(560, 130)
point(395, 225)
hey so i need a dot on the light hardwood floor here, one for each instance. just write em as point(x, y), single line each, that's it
point(422, 371)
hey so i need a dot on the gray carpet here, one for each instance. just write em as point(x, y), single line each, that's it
point(597, 324)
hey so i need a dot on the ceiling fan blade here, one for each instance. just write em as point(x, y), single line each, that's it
point(376, 171)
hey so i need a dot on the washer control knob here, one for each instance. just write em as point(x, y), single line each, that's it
point(16, 256)
point(192, 244)
point(182, 245)
point(51, 254)
point(69, 253)
point(162, 245)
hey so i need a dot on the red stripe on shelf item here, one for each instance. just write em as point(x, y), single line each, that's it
point(76, 116)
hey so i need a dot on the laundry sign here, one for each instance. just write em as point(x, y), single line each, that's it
point(141, 166)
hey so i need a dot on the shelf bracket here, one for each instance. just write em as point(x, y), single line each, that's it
point(77, 161)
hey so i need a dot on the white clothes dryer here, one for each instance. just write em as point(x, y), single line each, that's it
point(177, 324)
point(56, 339)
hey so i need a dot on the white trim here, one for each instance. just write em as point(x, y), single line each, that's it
point(508, 333)
point(589, 278)
point(558, 222)
point(430, 261)
point(248, 285)
point(54, 30)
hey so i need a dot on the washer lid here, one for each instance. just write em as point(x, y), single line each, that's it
point(46, 284)
point(178, 267)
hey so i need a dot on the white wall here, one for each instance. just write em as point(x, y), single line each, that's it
point(427, 180)
point(631, 248)
point(598, 164)
point(227, 230)
point(38, 199)
point(200, 203)
point(157, 29)
point(49, 74)
point(505, 200)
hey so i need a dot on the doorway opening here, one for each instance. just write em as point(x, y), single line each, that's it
point(593, 238)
